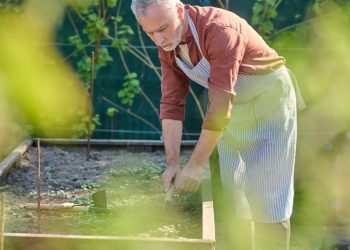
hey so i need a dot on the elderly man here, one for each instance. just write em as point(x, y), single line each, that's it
point(251, 114)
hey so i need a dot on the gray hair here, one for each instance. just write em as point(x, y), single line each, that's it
point(139, 7)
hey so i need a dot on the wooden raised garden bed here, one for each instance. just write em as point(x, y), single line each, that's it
point(33, 231)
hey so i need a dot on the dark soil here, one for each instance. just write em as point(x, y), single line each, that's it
point(135, 195)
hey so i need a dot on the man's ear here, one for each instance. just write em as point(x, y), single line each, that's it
point(180, 10)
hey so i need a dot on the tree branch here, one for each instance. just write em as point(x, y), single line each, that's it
point(128, 111)
point(312, 20)
point(145, 51)
point(142, 92)
point(78, 34)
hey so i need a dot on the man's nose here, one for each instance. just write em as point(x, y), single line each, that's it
point(158, 38)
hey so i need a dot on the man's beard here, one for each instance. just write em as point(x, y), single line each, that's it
point(172, 45)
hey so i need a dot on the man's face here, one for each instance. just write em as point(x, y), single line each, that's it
point(163, 26)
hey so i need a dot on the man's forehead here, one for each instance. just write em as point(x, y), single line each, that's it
point(154, 17)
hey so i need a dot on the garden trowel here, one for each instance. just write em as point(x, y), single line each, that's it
point(99, 205)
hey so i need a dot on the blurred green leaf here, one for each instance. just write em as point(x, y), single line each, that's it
point(111, 3)
point(111, 111)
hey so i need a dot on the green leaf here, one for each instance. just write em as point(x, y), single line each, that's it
point(76, 41)
point(119, 19)
point(96, 121)
point(267, 27)
point(125, 101)
point(130, 31)
point(270, 2)
point(111, 111)
point(257, 8)
point(131, 95)
point(121, 32)
point(272, 14)
point(116, 43)
point(135, 82)
point(255, 20)
point(84, 10)
point(121, 94)
point(111, 3)
point(133, 75)
point(126, 29)
point(92, 17)
point(105, 31)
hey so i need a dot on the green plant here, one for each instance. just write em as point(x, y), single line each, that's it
point(122, 34)
point(82, 128)
point(97, 18)
point(264, 13)
point(131, 88)
point(11, 6)
point(265, 16)
point(110, 113)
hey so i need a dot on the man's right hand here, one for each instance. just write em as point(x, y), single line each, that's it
point(170, 174)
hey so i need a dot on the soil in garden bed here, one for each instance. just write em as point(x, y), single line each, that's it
point(134, 190)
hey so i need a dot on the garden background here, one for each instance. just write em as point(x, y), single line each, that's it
point(45, 62)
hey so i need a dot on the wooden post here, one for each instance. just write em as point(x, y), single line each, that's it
point(218, 200)
point(2, 229)
point(38, 188)
point(91, 109)
point(208, 221)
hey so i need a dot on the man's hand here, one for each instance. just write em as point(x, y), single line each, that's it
point(192, 174)
point(171, 173)
point(190, 178)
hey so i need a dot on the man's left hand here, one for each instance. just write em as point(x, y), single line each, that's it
point(190, 178)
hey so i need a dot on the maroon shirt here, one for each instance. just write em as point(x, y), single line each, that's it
point(231, 47)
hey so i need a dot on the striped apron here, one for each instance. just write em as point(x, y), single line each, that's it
point(257, 150)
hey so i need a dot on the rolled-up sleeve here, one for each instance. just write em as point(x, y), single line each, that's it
point(225, 49)
point(174, 87)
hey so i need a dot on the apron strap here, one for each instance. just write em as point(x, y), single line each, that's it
point(193, 30)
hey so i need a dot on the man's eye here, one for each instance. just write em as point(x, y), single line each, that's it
point(162, 29)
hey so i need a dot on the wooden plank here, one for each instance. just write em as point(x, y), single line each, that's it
point(208, 222)
point(130, 145)
point(14, 157)
point(102, 142)
point(84, 242)
point(206, 184)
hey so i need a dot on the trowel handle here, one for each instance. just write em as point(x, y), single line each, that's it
point(169, 193)
point(57, 207)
